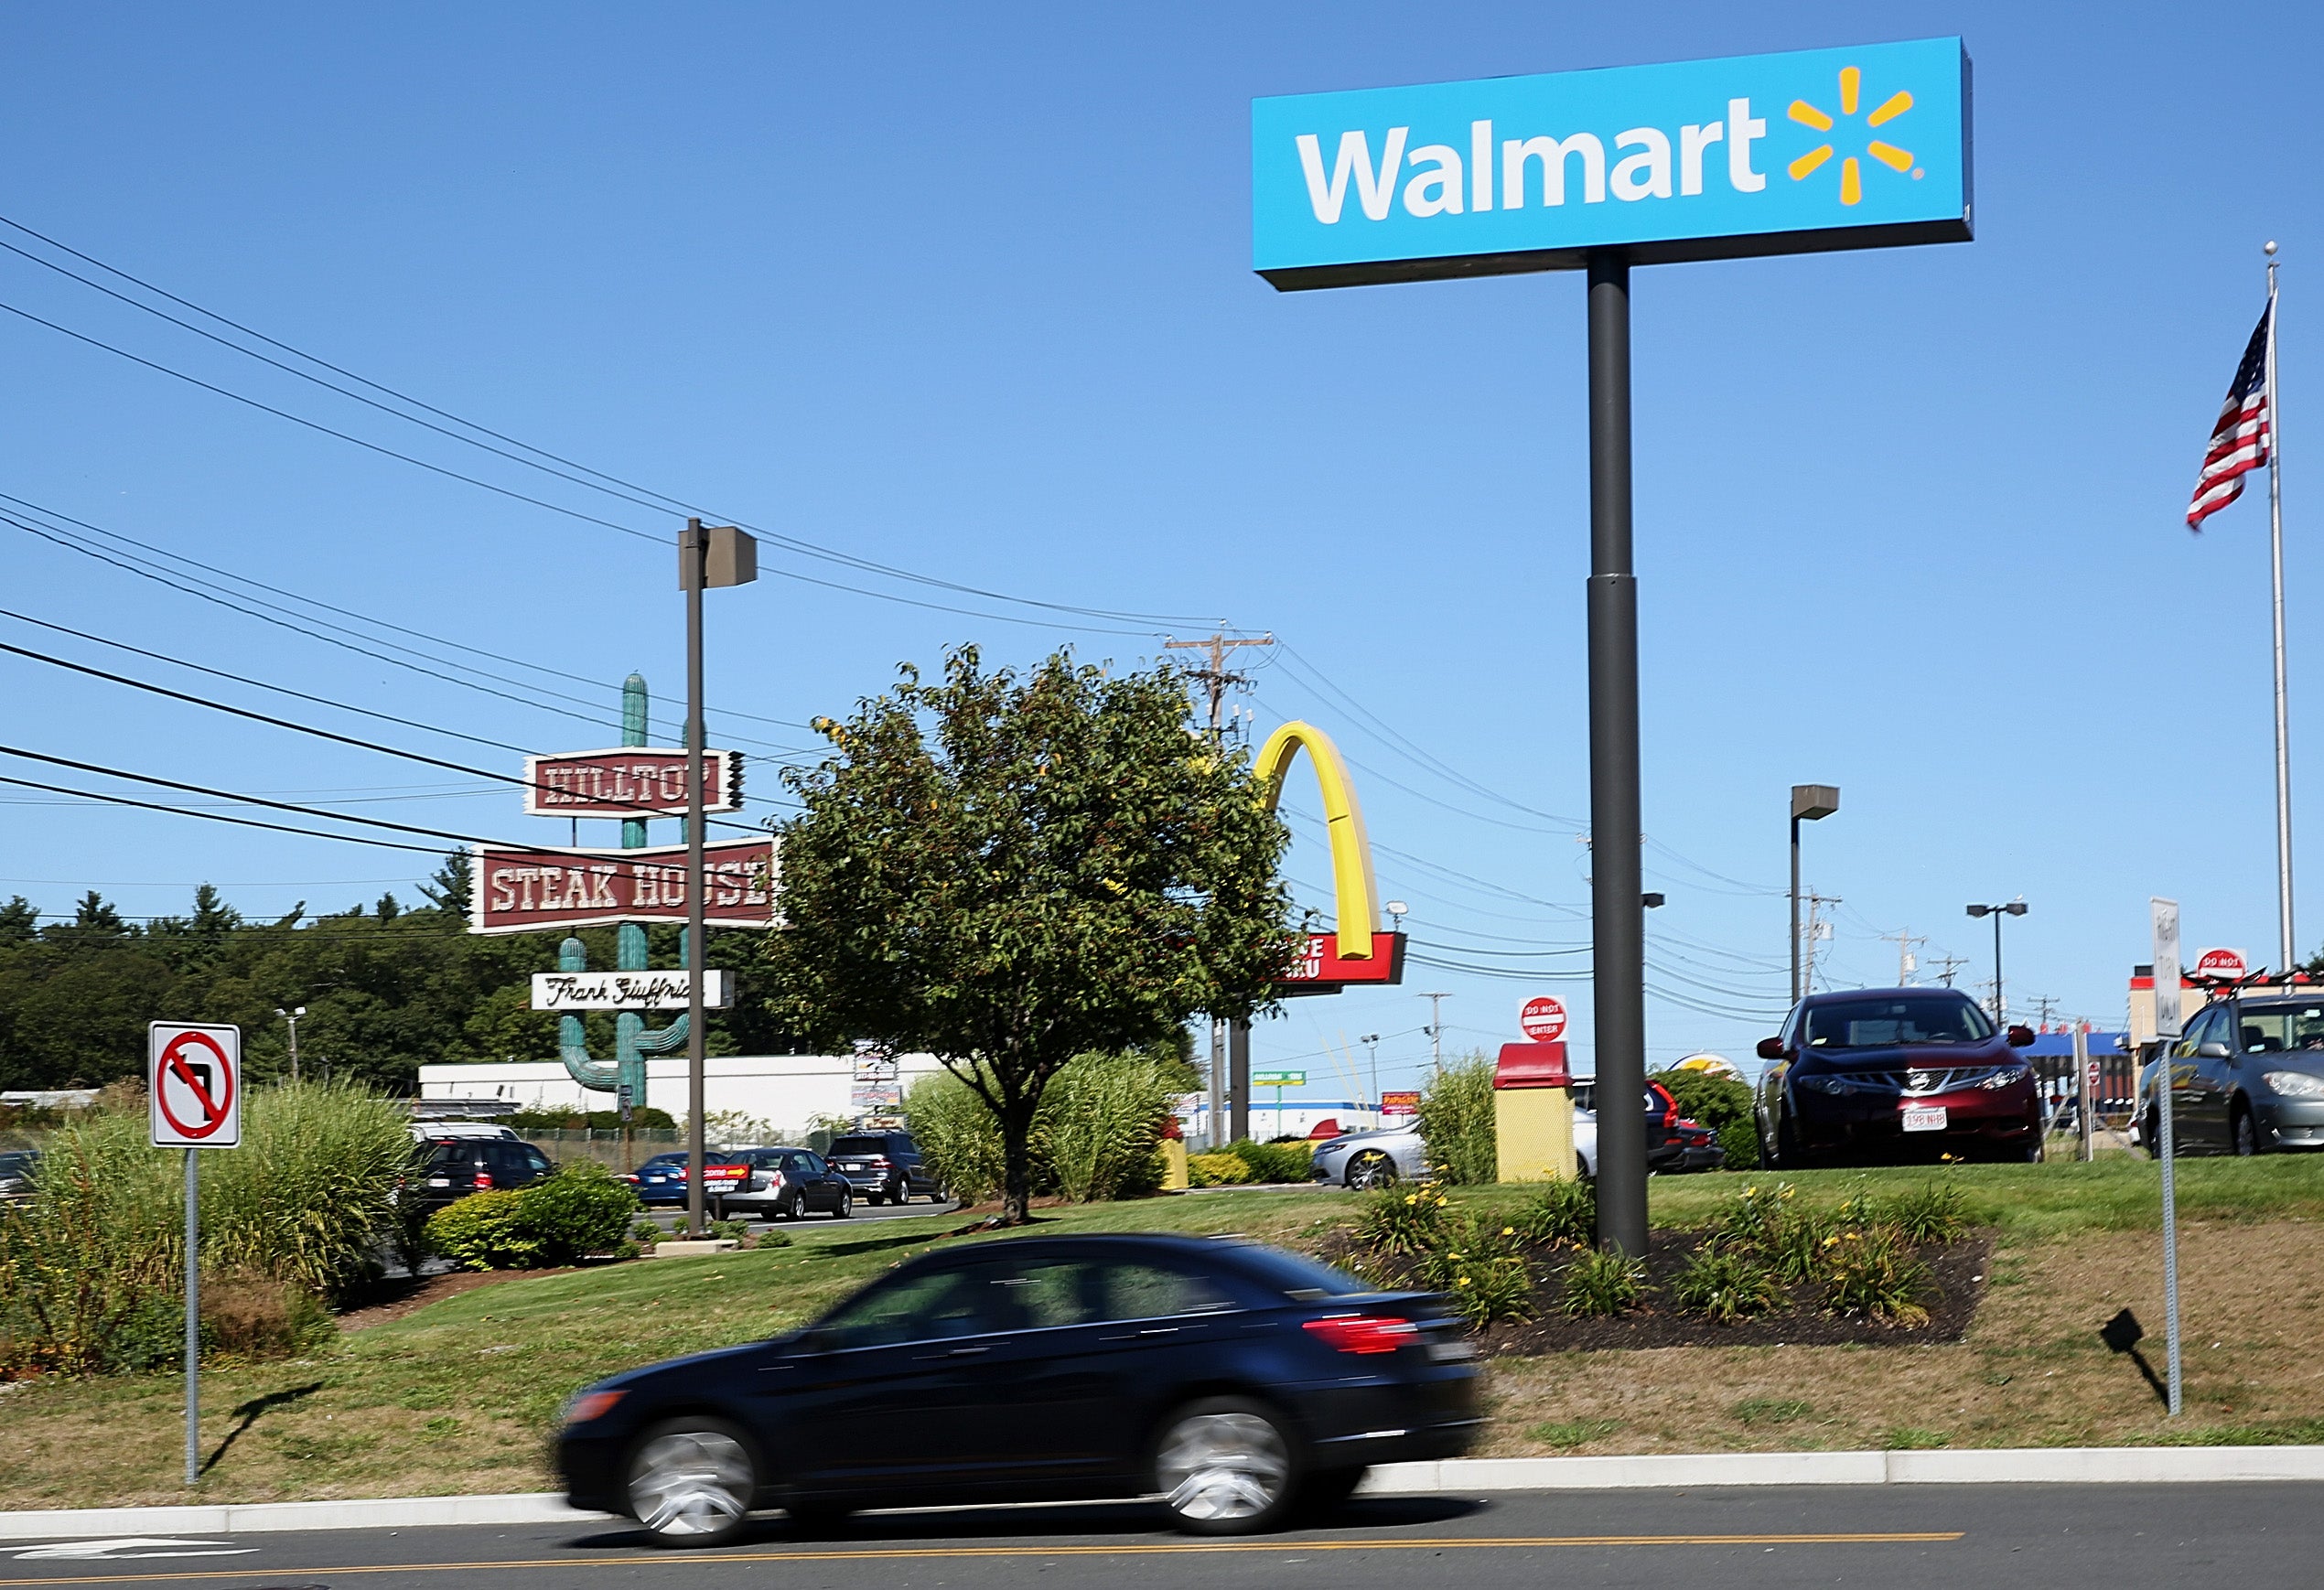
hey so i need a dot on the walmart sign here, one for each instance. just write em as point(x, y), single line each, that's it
point(1707, 160)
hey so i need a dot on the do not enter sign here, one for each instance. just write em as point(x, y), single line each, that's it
point(193, 1080)
point(1543, 1018)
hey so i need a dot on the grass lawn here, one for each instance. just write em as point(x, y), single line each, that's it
point(459, 1396)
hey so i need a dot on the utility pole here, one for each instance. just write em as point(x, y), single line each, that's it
point(1228, 1042)
point(1817, 928)
point(2044, 1006)
point(1905, 939)
point(1217, 679)
point(1950, 965)
point(1436, 1028)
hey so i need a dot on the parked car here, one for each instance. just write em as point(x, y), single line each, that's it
point(1235, 1382)
point(1889, 1075)
point(1370, 1159)
point(17, 1167)
point(2247, 1076)
point(456, 1167)
point(776, 1184)
point(438, 1131)
point(1665, 1151)
point(884, 1166)
point(663, 1178)
point(1703, 1151)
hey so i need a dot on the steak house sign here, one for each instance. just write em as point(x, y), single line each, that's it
point(525, 890)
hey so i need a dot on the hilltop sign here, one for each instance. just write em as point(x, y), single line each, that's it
point(1864, 147)
point(632, 782)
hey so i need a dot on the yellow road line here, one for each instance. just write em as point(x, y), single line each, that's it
point(1127, 1549)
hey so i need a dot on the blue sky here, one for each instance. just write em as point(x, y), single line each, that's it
point(966, 292)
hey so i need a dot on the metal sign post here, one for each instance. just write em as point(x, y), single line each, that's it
point(193, 1087)
point(2082, 1090)
point(2163, 918)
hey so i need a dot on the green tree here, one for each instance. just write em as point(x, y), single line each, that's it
point(1007, 871)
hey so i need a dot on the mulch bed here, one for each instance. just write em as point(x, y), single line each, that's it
point(1959, 1271)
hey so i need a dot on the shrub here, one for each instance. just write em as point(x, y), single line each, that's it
point(1933, 1213)
point(1726, 1284)
point(1485, 1291)
point(1561, 1212)
point(1796, 1242)
point(1603, 1282)
point(1457, 1123)
point(310, 1197)
point(1218, 1170)
point(1402, 1222)
point(1093, 1138)
point(580, 1210)
point(1725, 1105)
point(1872, 1272)
point(1100, 1123)
point(250, 1315)
point(959, 1141)
point(1292, 1160)
point(643, 1118)
point(1755, 1214)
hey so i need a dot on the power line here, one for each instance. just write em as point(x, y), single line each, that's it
point(221, 817)
point(557, 466)
point(268, 718)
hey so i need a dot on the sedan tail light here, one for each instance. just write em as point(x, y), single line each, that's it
point(483, 1180)
point(1363, 1333)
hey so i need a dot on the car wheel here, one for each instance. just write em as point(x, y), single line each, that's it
point(1370, 1169)
point(847, 1207)
point(692, 1482)
point(1224, 1467)
point(2246, 1132)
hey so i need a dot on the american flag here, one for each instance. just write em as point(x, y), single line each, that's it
point(2241, 439)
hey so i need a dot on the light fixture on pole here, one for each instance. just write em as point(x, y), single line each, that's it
point(2012, 909)
point(708, 555)
point(1810, 803)
point(292, 1015)
point(1371, 1040)
point(1396, 912)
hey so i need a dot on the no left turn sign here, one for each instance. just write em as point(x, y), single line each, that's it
point(193, 1077)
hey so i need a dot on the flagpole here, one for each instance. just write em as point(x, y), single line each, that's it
point(2276, 548)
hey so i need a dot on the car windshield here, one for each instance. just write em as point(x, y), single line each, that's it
point(2270, 1030)
point(843, 1147)
point(1891, 1020)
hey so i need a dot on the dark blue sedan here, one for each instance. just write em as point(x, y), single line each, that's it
point(1241, 1384)
point(662, 1179)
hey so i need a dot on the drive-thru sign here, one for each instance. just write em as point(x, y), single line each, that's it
point(195, 1085)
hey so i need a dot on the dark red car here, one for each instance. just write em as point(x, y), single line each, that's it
point(1893, 1076)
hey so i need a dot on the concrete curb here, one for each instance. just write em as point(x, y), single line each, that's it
point(2028, 1466)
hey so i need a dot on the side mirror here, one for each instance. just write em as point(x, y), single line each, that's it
point(2019, 1036)
point(2211, 1051)
point(1771, 1048)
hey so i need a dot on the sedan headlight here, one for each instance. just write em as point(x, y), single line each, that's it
point(2008, 1076)
point(2296, 1084)
point(1828, 1084)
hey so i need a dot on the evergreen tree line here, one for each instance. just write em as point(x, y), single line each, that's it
point(387, 988)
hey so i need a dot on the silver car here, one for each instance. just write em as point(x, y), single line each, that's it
point(1370, 1159)
point(2247, 1076)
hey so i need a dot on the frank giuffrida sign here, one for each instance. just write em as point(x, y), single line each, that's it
point(1819, 149)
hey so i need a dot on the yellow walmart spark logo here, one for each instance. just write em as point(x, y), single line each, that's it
point(1851, 174)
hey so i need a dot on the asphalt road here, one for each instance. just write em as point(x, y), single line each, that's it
point(2125, 1536)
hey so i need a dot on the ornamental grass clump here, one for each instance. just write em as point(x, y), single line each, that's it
point(1564, 1213)
point(1933, 1213)
point(1871, 1271)
point(1603, 1282)
point(1726, 1283)
point(1751, 1219)
point(1488, 1290)
point(1411, 1223)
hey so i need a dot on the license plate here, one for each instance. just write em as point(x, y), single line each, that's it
point(729, 1187)
point(1450, 1352)
point(850, 1167)
point(439, 1181)
point(1924, 1118)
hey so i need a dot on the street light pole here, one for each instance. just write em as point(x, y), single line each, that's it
point(1810, 803)
point(292, 1016)
point(1371, 1040)
point(2012, 909)
point(707, 555)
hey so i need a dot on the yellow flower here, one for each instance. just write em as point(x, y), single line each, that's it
point(1509, 1231)
point(1412, 1197)
point(1464, 1281)
point(1831, 1241)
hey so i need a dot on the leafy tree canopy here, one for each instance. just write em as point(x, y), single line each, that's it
point(1007, 871)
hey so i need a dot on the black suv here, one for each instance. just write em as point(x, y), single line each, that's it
point(456, 1167)
point(884, 1166)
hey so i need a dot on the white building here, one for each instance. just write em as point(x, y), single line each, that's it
point(785, 1090)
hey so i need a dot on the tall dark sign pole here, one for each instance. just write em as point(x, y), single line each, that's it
point(1866, 146)
point(1618, 914)
point(716, 555)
